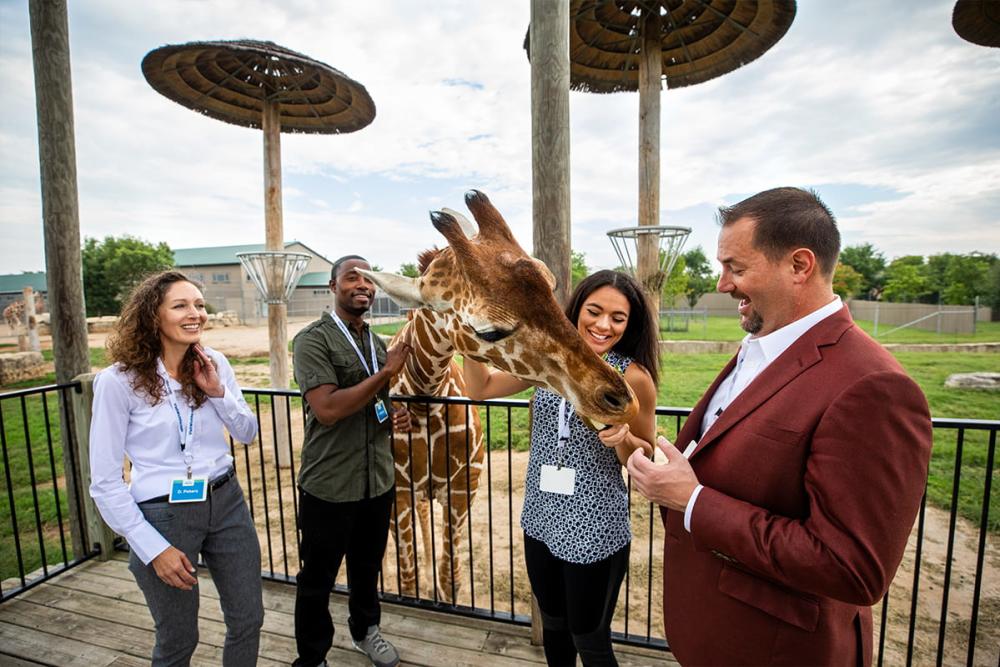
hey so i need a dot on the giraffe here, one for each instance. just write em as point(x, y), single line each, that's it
point(13, 314)
point(442, 459)
point(483, 297)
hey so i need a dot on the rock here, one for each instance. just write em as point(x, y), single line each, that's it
point(19, 366)
point(985, 380)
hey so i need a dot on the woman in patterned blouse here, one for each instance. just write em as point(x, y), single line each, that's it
point(576, 513)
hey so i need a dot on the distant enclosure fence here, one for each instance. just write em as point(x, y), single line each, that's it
point(943, 319)
point(943, 604)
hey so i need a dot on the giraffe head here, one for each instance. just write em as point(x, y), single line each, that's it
point(498, 307)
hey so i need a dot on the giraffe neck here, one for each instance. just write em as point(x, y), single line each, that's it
point(426, 370)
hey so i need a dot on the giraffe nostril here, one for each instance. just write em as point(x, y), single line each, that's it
point(613, 401)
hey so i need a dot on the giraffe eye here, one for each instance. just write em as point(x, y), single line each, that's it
point(493, 336)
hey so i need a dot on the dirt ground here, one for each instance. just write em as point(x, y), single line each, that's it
point(493, 537)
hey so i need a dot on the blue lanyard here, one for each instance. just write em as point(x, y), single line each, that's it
point(350, 339)
point(180, 424)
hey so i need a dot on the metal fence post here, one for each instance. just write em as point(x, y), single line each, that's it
point(82, 401)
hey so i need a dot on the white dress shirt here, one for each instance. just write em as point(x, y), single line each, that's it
point(125, 424)
point(754, 356)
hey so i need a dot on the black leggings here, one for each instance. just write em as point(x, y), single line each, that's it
point(577, 603)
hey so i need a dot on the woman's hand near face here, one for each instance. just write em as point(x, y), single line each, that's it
point(206, 376)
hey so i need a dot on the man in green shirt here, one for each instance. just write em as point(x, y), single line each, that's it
point(346, 480)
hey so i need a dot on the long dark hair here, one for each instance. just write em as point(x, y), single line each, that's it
point(641, 338)
point(135, 342)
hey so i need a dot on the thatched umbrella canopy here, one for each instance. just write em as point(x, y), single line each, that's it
point(233, 81)
point(977, 21)
point(262, 85)
point(629, 45)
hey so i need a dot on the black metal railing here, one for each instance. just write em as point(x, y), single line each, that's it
point(934, 607)
point(38, 499)
point(942, 605)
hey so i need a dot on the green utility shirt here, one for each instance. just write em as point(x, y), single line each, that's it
point(352, 458)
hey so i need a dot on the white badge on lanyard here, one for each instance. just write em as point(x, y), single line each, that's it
point(186, 489)
point(559, 478)
point(380, 411)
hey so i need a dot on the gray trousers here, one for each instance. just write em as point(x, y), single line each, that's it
point(221, 530)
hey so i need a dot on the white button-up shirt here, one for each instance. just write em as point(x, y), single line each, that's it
point(754, 356)
point(125, 424)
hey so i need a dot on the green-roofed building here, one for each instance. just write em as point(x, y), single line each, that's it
point(226, 284)
point(228, 287)
point(12, 287)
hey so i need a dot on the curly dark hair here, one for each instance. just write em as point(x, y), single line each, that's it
point(640, 340)
point(135, 342)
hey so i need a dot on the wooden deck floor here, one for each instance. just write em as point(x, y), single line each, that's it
point(94, 615)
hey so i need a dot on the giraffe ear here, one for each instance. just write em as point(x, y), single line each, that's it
point(468, 228)
point(404, 291)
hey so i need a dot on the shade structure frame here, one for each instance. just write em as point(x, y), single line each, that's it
point(671, 240)
point(275, 274)
point(229, 81)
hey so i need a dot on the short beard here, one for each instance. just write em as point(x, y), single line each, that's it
point(753, 324)
point(356, 312)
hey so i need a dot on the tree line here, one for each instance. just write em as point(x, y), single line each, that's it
point(112, 266)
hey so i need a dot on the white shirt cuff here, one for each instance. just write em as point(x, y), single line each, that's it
point(226, 405)
point(690, 507)
point(147, 542)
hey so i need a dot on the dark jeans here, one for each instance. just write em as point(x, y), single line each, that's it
point(577, 603)
point(331, 531)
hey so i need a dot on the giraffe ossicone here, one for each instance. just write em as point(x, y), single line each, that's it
point(496, 305)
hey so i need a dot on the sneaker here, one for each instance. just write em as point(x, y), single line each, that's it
point(377, 648)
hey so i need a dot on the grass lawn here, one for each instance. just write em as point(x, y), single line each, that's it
point(728, 329)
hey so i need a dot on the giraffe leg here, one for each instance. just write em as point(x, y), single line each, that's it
point(449, 562)
point(423, 510)
point(402, 531)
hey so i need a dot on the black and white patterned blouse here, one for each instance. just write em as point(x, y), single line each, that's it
point(593, 523)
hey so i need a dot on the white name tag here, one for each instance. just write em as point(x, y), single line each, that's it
point(194, 490)
point(690, 449)
point(380, 412)
point(557, 480)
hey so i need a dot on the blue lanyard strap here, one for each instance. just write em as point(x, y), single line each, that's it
point(180, 424)
point(350, 339)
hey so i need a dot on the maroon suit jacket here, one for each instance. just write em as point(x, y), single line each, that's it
point(813, 477)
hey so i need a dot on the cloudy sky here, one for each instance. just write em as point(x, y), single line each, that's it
point(876, 104)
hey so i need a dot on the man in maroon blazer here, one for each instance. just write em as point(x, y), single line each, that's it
point(795, 482)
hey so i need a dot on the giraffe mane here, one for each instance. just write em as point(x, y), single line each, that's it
point(425, 258)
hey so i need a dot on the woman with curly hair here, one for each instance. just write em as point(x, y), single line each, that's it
point(165, 403)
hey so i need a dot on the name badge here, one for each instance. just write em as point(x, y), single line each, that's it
point(557, 480)
point(380, 412)
point(194, 490)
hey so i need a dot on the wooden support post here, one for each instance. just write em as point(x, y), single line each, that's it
point(60, 213)
point(82, 401)
point(31, 319)
point(650, 71)
point(536, 622)
point(549, 42)
point(277, 313)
